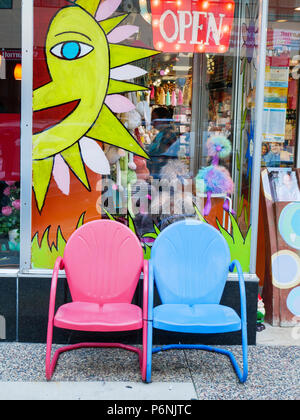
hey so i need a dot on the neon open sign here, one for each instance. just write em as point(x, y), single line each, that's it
point(192, 25)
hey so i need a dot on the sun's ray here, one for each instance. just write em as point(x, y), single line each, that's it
point(109, 24)
point(123, 72)
point(109, 129)
point(90, 6)
point(115, 86)
point(119, 103)
point(72, 157)
point(61, 174)
point(123, 54)
point(94, 157)
point(41, 175)
point(121, 33)
point(107, 8)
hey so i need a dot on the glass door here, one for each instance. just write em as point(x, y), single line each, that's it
point(282, 85)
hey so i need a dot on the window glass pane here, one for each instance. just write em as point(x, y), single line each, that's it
point(144, 138)
point(10, 108)
point(245, 115)
point(282, 85)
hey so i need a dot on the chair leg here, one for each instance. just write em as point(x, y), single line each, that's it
point(50, 365)
point(149, 351)
point(242, 375)
point(144, 355)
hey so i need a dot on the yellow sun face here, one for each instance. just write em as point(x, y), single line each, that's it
point(81, 62)
point(78, 62)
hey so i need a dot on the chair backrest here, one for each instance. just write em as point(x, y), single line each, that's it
point(103, 261)
point(191, 262)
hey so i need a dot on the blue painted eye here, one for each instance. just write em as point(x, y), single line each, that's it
point(71, 50)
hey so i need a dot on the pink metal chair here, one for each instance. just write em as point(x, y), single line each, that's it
point(103, 261)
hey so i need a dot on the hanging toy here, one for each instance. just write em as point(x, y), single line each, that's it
point(144, 11)
point(152, 94)
point(113, 153)
point(213, 180)
point(168, 99)
point(162, 96)
point(218, 147)
point(174, 98)
point(144, 110)
point(133, 119)
point(180, 97)
point(142, 172)
point(175, 170)
point(181, 83)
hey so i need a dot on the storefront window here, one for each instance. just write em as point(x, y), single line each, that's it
point(245, 113)
point(144, 115)
point(282, 85)
point(10, 106)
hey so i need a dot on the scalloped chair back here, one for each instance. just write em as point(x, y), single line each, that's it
point(103, 261)
point(187, 269)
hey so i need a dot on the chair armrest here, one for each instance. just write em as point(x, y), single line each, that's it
point(59, 265)
point(145, 289)
point(150, 292)
point(237, 264)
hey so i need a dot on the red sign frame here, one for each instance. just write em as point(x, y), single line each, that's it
point(192, 25)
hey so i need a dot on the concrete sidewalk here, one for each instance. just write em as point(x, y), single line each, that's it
point(113, 374)
point(108, 391)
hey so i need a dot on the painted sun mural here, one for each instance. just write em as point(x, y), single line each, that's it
point(88, 69)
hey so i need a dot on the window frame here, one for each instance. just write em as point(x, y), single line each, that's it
point(26, 140)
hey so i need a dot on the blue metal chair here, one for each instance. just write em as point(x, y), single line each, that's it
point(189, 264)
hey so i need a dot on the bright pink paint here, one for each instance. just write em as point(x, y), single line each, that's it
point(118, 103)
point(106, 9)
point(121, 33)
point(103, 262)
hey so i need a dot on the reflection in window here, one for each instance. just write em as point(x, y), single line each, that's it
point(10, 223)
point(10, 104)
point(182, 172)
point(282, 86)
